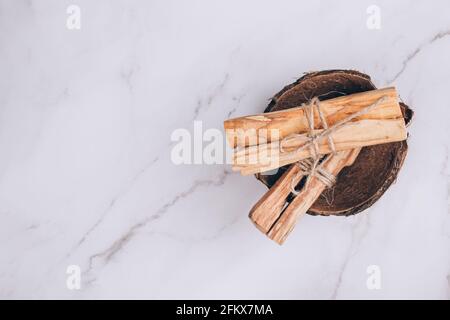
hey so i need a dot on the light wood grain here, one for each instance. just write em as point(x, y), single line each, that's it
point(267, 210)
point(265, 157)
point(284, 224)
point(245, 131)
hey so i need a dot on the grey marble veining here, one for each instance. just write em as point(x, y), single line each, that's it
point(86, 177)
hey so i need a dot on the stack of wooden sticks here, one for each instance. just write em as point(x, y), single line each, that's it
point(317, 139)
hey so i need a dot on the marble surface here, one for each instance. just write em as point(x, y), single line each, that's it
point(86, 176)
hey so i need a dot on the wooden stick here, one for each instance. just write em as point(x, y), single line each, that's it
point(281, 228)
point(357, 134)
point(267, 210)
point(272, 126)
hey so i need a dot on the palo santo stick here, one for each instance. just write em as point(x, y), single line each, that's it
point(306, 198)
point(357, 134)
point(271, 126)
point(267, 210)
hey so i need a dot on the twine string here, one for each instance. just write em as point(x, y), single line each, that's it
point(311, 167)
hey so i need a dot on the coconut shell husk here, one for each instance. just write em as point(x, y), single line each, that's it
point(359, 186)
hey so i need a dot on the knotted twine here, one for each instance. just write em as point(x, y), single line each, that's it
point(312, 167)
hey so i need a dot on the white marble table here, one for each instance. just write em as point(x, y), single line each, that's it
point(86, 176)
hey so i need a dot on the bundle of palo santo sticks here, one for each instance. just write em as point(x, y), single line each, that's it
point(317, 140)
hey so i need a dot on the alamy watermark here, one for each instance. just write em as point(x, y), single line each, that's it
point(73, 281)
point(73, 21)
point(373, 21)
point(210, 146)
point(373, 281)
